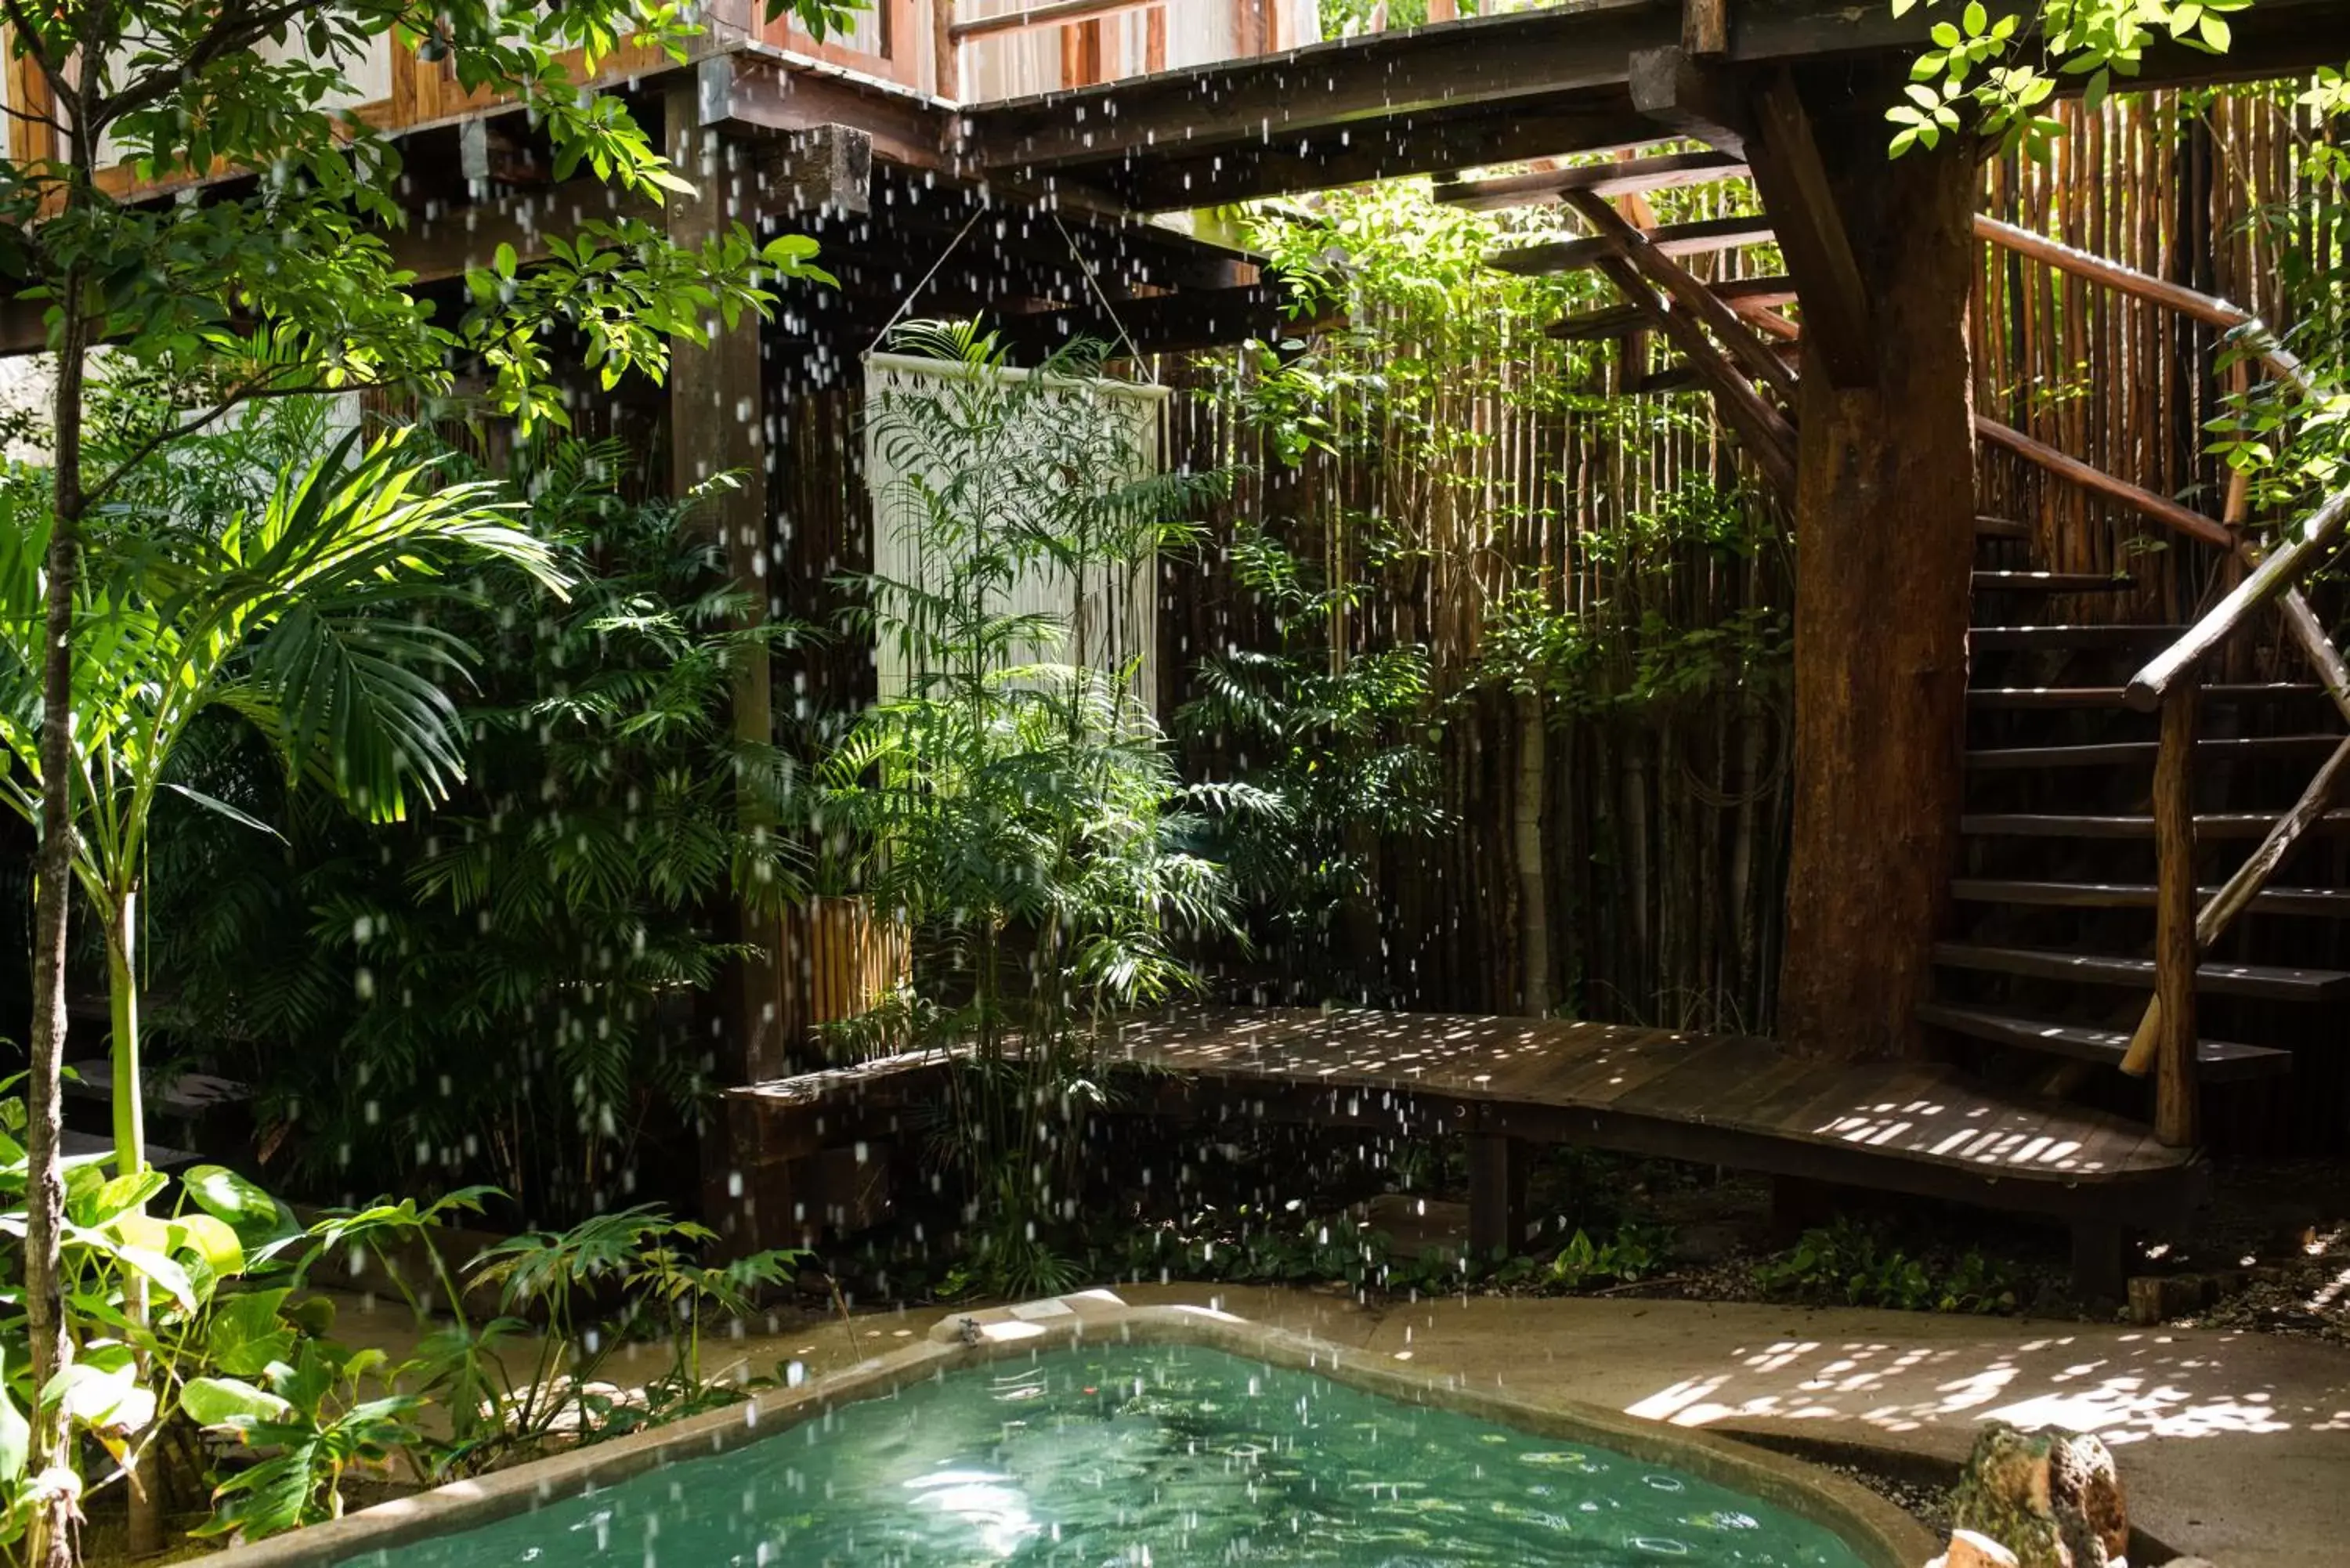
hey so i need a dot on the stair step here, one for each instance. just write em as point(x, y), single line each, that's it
point(2216, 1060)
point(2119, 753)
point(2213, 825)
point(2035, 639)
point(1989, 527)
point(2276, 984)
point(2051, 583)
point(2323, 903)
point(2029, 697)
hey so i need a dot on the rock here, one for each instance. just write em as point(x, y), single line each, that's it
point(2051, 1498)
point(1968, 1550)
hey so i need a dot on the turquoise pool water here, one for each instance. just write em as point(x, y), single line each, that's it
point(1145, 1457)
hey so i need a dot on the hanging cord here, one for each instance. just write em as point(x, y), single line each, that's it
point(906, 303)
point(1109, 310)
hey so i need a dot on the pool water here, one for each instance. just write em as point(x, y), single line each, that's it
point(1145, 1457)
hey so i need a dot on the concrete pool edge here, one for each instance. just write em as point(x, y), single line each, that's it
point(1882, 1534)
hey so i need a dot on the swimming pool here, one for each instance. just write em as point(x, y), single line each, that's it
point(1139, 1437)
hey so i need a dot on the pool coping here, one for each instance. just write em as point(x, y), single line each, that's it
point(1882, 1534)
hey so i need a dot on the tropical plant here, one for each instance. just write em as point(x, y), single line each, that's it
point(272, 595)
point(1018, 811)
point(1316, 753)
point(284, 283)
point(559, 907)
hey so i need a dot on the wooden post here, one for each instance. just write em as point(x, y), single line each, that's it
point(946, 53)
point(1885, 504)
point(1497, 1193)
point(717, 425)
point(2177, 954)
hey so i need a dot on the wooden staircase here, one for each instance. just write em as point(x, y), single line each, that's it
point(2053, 911)
point(2133, 789)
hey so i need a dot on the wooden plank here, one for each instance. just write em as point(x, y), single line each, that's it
point(1715, 1070)
point(2072, 470)
point(1702, 236)
point(1803, 210)
point(2216, 1059)
point(2273, 982)
point(1650, 260)
point(2116, 754)
point(1631, 176)
point(2324, 903)
point(2058, 697)
point(2210, 826)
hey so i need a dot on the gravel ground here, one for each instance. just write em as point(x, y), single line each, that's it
point(1929, 1505)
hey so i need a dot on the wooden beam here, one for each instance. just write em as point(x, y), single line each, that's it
point(1705, 28)
point(1809, 222)
point(1755, 298)
point(1689, 99)
point(2072, 470)
point(1666, 239)
point(1539, 59)
point(1688, 293)
point(1662, 171)
point(1424, 142)
point(456, 239)
point(1052, 14)
point(1764, 433)
point(1590, 326)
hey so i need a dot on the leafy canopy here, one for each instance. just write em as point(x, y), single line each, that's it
point(2002, 72)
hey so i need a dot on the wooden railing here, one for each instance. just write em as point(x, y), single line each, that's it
point(2166, 1038)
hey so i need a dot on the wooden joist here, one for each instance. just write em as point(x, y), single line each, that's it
point(1055, 13)
point(1626, 177)
point(1705, 236)
point(1769, 439)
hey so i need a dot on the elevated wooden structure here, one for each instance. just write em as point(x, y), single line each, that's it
point(1509, 1084)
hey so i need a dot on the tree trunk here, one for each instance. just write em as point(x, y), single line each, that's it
point(1884, 531)
point(49, 1537)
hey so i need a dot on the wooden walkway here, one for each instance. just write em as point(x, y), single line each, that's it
point(1920, 1127)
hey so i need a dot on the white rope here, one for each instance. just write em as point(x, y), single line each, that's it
point(906, 303)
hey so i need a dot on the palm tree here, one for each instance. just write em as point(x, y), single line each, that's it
point(218, 583)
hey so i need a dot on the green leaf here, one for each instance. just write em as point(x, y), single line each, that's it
point(248, 1333)
point(225, 1401)
point(503, 260)
point(1976, 18)
point(214, 804)
point(2216, 34)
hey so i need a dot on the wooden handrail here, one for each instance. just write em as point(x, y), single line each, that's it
point(2204, 308)
point(2072, 470)
point(1048, 15)
point(2269, 580)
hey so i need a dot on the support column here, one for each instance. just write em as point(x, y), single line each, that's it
point(1497, 1193)
point(717, 425)
point(1885, 511)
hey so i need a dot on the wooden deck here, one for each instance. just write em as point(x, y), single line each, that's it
point(1920, 1127)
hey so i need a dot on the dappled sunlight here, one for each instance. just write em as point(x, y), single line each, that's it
point(2126, 1389)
